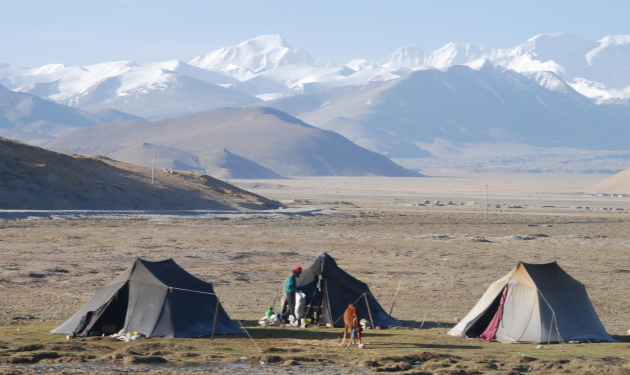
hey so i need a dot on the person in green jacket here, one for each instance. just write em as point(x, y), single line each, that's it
point(290, 288)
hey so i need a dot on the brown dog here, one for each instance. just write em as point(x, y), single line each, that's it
point(351, 321)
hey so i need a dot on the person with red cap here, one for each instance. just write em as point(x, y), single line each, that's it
point(290, 288)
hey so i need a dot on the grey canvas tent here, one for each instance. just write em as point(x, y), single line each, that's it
point(335, 290)
point(157, 299)
point(534, 303)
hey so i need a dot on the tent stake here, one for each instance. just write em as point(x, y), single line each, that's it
point(395, 296)
point(216, 315)
point(369, 310)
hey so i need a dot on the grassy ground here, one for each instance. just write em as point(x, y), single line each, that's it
point(423, 349)
point(50, 268)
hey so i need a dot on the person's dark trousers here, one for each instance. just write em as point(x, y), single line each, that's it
point(290, 306)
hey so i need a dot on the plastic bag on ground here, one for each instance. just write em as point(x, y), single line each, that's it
point(300, 304)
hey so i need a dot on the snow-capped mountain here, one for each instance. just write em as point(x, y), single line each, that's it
point(268, 68)
point(359, 64)
point(253, 56)
point(408, 57)
point(489, 104)
point(158, 90)
point(599, 70)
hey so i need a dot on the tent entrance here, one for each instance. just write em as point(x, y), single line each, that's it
point(486, 318)
point(113, 318)
point(107, 319)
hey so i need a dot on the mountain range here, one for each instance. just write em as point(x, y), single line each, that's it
point(553, 90)
point(257, 139)
point(488, 104)
point(32, 119)
point(268, 67)
point(148, 90)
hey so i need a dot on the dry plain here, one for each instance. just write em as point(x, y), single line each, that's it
point(445, 257)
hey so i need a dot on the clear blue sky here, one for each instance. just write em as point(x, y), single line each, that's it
point(34, 33)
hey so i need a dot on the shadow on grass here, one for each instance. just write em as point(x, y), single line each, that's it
point(311, 333)
point(408, 345)
point(427, 324)
point(621, 338)
point(303, 334)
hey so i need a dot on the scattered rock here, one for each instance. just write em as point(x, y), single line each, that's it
point(25, 317)
point(479, 239)
point(523, 238)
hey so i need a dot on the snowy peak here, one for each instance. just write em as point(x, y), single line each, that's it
point(455, 54)
point(358, 65)
point(408, 57)
point(412, 57)
point(259, 54)
point(610, 45)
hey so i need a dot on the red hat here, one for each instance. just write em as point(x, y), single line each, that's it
point(298, 270)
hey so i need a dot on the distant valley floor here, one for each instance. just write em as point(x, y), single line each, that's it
point(514, 158)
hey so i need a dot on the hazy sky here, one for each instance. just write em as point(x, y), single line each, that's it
point(34, 33)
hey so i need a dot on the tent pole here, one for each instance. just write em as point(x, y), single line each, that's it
point(216, 315)
point(272, 306)
point(395, 296)
point(275, 295)
point(369, 310)
point(550, 328)
point(425, 317)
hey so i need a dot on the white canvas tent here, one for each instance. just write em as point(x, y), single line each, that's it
point(542, 304)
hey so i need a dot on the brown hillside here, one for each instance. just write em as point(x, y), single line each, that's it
point(35, 178)
point(616, 184)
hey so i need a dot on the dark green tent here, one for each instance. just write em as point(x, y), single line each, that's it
point(157, 299)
